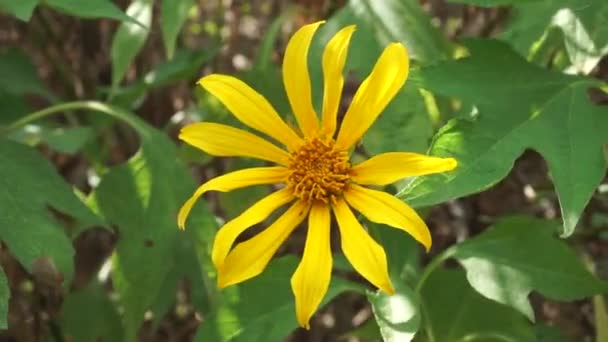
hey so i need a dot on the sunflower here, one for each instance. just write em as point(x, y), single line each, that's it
point(313, 169)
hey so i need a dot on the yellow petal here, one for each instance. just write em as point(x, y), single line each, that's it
point(311, 279)
point(250, 107)
point(387, 77)
point(365, 254)
point(387, 168)
point(297, 81)
point(226, 141)
point(225, 237)
point(381, 207)
point(334, 58)
point(231, 181)
point(249, 258)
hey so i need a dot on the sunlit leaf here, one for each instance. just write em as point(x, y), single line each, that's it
point(455, 312)
point(141, 199)
point(520, 255)
point(584, 32)
point(130, 38)
point(519, 106)
point(397, 315)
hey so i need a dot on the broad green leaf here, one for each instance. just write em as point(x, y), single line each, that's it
point(19, 75)
point(4, 298)
point(88, 315)
point(519, 106)
point(173, 16)
point(21, 9)
point(130, 38)
point(90, 9)
point(29, 188)
point(397, 315)
point(12, 107)
point(250, 313)
point(455, 312)
point(520, 255)
point(141, 198)
point(581, 21)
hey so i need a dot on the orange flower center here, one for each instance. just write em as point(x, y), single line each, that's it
point(318, 171)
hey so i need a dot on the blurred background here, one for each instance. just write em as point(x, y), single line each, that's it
point(58, 56)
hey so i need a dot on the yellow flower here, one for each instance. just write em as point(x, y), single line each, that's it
point(314, 168)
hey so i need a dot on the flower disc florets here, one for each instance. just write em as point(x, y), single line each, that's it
point(318, 171)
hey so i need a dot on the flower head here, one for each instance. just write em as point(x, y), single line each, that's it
point(314, 169)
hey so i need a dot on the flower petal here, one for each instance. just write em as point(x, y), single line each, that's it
point(225, 237)
point(250, 107)
point(249, 258)
point(380, 207)
point(334, 58)
point(231, 181)
point(365, 254)
point(311, 279)
point(226, 141)
point(297, 81)
point(387, 168)
point(389, 75)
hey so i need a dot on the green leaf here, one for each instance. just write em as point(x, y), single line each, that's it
point(455, 312)
point(19, 75)
point(130, 38)
point(141, 198)
point(404, 125)
point(403, 21)
point(12, 107)
point(582, 22)
point(5, 293)
point(519, 106)
point(492, 3)
point(29, 186)
point(397, 315)
point(91, 9)
point(250, 313)
point(173, 16)
point(184, 65)
point(520, 255)
point(89, 315)
point(21, 9)
point(67, 140)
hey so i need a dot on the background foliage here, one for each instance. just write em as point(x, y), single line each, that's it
point(92, 94)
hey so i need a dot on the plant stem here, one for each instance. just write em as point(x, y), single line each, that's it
point(95, 106)
point(436, 262)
